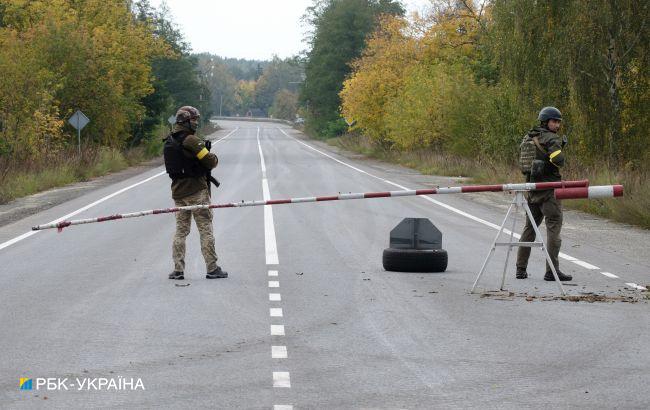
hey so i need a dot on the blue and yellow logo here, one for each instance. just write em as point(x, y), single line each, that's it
point(25, 383)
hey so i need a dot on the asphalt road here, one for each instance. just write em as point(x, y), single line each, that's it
point(94, 301)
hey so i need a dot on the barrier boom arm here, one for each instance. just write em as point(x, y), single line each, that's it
point(340, 197)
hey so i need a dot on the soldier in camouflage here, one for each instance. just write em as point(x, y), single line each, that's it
point(543, 205)
point(188, 160)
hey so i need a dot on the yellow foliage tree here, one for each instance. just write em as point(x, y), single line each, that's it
point(91, 55)
point(378, 76)
point(414, 87)
point(29, 117)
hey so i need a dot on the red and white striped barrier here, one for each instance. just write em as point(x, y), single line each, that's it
point(594, 192)
point(341, 197)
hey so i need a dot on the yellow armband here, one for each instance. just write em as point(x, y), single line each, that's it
point(202, 153)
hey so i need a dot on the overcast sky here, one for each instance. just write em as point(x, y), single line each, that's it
point(251, 29)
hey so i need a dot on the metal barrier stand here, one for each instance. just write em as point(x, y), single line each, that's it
point(518, 201)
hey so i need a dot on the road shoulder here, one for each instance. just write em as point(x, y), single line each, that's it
point(32, 204)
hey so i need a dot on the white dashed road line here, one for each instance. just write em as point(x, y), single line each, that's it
point(269, 228)
point(609, 275)
point(281, 379)
point(564, 256)
point(278, 352)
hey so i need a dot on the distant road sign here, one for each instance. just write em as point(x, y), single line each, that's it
point(171, 119)
point(350, 122)
point(78, 120)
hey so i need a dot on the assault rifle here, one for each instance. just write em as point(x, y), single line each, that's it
point(208, 174)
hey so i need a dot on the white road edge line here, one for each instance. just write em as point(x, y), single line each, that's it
point(80, 210)
point(635, 286)
point(448, 207)
point(97, 202)
point(283, 407)
point(269, 228)
point(585, 265)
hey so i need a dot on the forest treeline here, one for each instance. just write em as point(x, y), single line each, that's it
point(251, 87)
point(469, 77)
point(122, 63)
point(127, 67)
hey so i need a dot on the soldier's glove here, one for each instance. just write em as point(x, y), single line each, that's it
point(565, 141)
point(208, 144)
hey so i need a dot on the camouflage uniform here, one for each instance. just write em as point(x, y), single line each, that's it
point(543, 203)
point(203, 220)
point(193, 191)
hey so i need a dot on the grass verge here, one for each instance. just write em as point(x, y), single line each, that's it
point(20, 178)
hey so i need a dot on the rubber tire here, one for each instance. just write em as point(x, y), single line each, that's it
point(415, 260)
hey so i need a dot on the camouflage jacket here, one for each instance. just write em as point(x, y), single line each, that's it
point(194, 147)
point(553, 157)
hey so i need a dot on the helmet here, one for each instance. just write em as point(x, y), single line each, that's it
point(187, 113)
point(549, 113)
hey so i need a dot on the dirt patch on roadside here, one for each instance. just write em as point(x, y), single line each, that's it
point(587, 297)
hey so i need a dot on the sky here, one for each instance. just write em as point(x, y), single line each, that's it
point(250, 29)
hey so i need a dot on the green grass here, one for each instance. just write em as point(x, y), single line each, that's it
point(60, 170)
point(633, 208)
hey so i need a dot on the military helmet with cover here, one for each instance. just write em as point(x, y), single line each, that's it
point(187, 113)
point(549, 113)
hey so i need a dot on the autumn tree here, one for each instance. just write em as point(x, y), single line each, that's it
point(285, 105)
point(339, 32)
point(377, 77)
point(86, 54)
point(277, 76)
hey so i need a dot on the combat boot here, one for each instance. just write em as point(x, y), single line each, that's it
point(176, 275)
point(521, 274)
point(563, 278)
point(217, 274)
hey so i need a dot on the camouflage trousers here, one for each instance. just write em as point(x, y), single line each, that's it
point(543, 205)
point(203, 220)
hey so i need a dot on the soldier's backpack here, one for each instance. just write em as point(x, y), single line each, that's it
point(178, 165)
point(528, 152)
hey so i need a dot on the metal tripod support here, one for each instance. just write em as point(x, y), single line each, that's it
point(518, 201)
